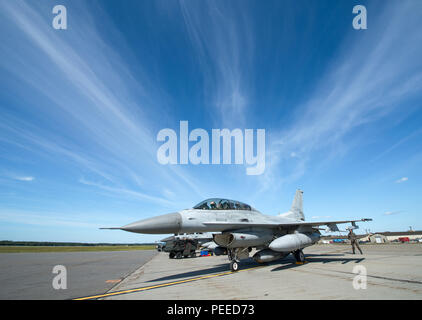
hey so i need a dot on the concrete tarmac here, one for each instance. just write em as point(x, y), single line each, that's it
point(393, 271)
point(29, 275)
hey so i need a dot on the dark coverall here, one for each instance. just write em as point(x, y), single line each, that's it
point(353, 240)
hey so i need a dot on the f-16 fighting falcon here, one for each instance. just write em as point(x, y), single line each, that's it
point(242, 228)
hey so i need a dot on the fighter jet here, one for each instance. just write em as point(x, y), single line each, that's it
point(242, 228)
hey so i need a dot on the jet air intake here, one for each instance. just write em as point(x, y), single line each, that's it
point(242, 240)
point(292, 242)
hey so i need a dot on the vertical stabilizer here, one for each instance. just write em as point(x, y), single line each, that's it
point(297, 205)
point(296, 211)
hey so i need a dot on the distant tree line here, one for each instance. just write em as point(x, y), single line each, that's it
point(67, 244)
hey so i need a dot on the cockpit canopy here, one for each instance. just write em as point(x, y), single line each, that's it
point(222, 204)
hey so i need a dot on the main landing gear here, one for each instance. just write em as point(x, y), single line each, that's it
point(234, 263)
point(299, 256)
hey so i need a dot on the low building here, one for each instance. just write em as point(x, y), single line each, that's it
point(378, 237)
point(396, 236)
point(400, 236)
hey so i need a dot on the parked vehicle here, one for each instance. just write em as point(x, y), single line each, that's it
point(181, 248)
point(338, 240)
point(404, 239)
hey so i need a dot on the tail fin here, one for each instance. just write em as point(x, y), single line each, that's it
point(296, 211)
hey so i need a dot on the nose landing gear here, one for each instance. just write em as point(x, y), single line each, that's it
point(235, 255)
point(234, 266)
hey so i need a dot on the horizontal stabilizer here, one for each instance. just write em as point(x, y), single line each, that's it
point(332, 227)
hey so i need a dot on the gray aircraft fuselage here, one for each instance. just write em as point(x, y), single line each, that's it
point(241, 228)
point(195, 220)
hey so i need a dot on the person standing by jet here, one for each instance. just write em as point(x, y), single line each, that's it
point(354, 241)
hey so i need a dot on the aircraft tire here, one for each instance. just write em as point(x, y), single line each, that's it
point(234, 266)
point(299, 256)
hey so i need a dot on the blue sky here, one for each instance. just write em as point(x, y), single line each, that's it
point(80, 110)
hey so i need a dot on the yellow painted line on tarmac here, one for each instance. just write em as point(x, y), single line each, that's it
point(163, 284)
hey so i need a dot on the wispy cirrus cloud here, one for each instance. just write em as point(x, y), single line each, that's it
point(320, 217)
point(16, 176)
point(96, 112)
point(27, 178)
point(42, 219)
point(367, 81)
point(221, 34)
point(401, 180)
point(398, 144)
point(128, 192)
point(389, 213)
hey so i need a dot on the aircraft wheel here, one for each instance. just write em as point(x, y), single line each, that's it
point(234, 266)
point(299, 256)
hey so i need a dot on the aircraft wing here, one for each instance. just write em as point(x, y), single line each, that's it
point(241, 225)
point(326, 223)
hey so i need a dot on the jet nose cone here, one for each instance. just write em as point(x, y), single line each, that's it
point(167, 223)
